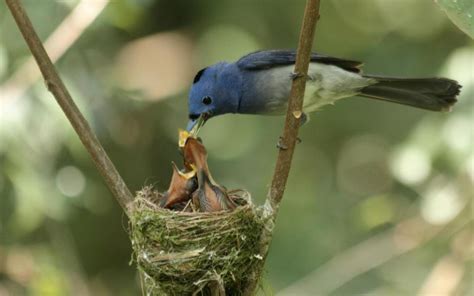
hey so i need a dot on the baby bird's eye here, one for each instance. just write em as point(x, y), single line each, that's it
point(207, 100)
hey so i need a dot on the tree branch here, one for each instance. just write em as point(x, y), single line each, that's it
point(56, 87)
point(295, 105)
point(406, 236)
point(290, 132)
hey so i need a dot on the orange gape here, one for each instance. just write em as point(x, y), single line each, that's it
point(181, 187)
point(197, 182)
point(209, 197)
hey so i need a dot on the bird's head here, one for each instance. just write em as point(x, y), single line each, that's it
point(213, 93)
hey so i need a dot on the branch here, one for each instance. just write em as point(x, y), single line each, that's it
point(290, 132)
point(408, 235)
point(295, 105)
point(56, 87)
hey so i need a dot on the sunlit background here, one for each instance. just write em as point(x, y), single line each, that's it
point(379, 200)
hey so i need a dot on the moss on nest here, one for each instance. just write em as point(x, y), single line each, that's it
point(186, 253)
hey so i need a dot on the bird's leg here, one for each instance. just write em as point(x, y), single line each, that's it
point(280, 144)
point(295, 75)
point(303, 119)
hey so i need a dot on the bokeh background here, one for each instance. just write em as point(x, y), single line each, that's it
point(379, 200)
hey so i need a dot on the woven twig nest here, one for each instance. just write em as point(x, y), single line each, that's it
point(192, 253)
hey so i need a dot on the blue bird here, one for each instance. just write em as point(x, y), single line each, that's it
point(260, 83)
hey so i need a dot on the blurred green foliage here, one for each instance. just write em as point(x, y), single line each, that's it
point(461, 12)
point(362, 169)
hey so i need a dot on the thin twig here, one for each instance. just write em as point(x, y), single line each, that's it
point(290, 132)
point(408, 235)
point(295, 105)
point(80, 125)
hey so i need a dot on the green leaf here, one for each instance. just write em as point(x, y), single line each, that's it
point(461, 13)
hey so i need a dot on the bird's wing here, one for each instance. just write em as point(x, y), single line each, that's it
point(266, 59)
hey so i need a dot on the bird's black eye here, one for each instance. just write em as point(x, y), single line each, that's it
point(207, 100)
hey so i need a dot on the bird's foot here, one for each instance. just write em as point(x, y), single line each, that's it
point(295, 75)
point(280, 144)
point(303, 119)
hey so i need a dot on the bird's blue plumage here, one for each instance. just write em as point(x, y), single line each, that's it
point(266, 59)
point(260, 82)
point(216, 90)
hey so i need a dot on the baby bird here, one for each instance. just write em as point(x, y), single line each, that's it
point(210, 197)
point(181, 187)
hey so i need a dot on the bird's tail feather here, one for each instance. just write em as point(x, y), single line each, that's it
point(436, 94)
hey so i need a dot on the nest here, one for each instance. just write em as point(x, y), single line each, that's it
point(192, 253)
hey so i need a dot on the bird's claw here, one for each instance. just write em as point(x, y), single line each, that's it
point(295, 75)
point(303, 119)
point(280, 144)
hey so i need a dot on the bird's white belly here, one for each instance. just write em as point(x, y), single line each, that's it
point(326, 84)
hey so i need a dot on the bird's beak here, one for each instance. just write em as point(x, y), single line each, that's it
point(191, 124)
point(194, 126)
